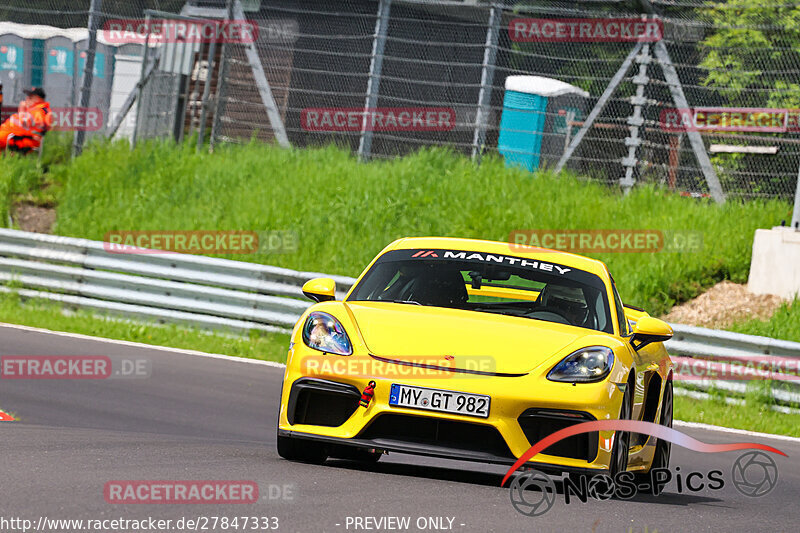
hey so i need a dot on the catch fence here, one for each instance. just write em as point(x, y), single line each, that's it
point(699, 97)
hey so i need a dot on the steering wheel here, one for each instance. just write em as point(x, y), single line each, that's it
point(553, 311)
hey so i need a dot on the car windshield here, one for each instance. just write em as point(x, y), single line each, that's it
point(489, 283)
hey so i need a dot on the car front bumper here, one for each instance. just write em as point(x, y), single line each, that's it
point(324, 407)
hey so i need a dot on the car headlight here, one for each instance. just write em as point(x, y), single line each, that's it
point(324, 333)
point(584, 366)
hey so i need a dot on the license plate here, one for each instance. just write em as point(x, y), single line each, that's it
point(446, 401)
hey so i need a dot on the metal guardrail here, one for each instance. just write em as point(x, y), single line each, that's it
point(169, 287)
point(736, 352)
point(223, 294)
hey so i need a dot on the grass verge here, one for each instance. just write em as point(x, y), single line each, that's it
point(266, 346)
point(783, 324)
point(752, 416)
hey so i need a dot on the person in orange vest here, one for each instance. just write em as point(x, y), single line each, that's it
point(24, 130)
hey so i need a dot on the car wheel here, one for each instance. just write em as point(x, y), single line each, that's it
point(622, 439)
point(622, 443)
point(301, 450)
point(663, 447)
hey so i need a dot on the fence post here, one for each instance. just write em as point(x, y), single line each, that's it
point(374, 82)
point(223, 71)
point(88, 71)
point(796, 212)
point(142, 81)
point(212, 50)
point(487, 79)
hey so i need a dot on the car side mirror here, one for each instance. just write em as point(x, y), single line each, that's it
point(647, 330)
point(320, 289)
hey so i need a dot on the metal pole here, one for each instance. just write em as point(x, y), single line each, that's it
point(679, 98)
point(796, 212)
point(129, 101)
point(487, 78)
point(88, 70)
point(223, 70)
point(676, 89)
point(598, 107)
point(374, 82)
point(181, 82)
point(264, 90)
point(142, 80)
point(212, 49)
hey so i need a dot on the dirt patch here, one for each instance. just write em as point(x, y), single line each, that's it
point(35, 218)
point(723, 305)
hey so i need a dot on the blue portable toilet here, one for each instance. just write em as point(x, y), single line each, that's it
point(525, 115)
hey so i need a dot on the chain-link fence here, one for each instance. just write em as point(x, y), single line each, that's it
point(700, 97)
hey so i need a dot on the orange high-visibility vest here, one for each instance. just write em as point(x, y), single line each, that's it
point(28, 127)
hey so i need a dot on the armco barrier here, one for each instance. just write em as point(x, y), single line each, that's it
point(223, 294)
point(169, 287)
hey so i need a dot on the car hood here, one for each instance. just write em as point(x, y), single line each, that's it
point(468, 340)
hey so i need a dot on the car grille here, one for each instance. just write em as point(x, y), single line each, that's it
point(320, 402)
point(437, 432)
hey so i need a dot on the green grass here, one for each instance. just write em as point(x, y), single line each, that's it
point(753, 416)
point(264, 346)
point(784, 324)
point(344, 212)
point(27, 178)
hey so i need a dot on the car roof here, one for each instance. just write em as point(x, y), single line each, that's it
point(502, 248)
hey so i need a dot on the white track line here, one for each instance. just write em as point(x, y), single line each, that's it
point(694, 425)
point(722, 429)
point(143, 345)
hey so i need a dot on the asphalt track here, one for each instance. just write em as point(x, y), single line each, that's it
point(202, 418)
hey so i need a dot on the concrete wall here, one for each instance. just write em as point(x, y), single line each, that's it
point(775, 267)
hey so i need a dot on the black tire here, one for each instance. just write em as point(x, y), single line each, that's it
point(663, 448)
point(622, 439)
point(302, 450)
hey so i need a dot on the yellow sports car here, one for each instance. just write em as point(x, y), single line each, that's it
point(475, 350)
